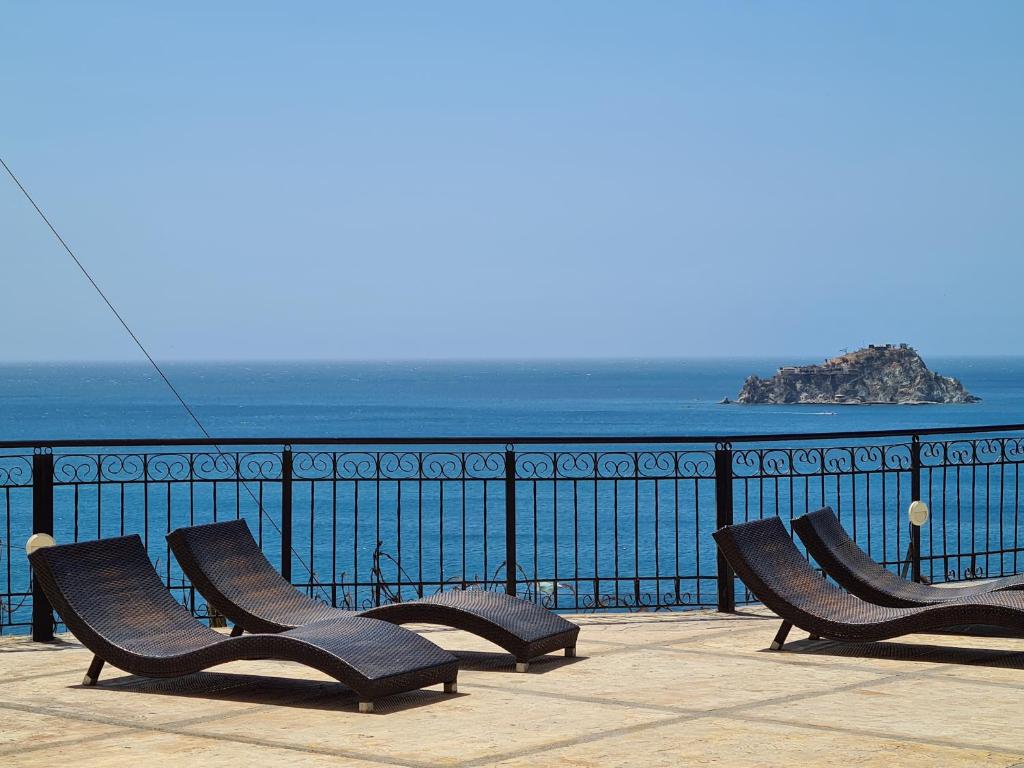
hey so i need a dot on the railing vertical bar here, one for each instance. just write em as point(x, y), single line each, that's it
point(335, 573)
point(554, 531)
point(42, 522)
point(576, 542)
point(286, 513)
point(440, 531)
point(99, 496)
point(510, 521)
point(615, 538)
point(724, 516)
point(312, 535)
point(462, 489)
point(915, 495)
point(636, 530)
point(419, 525)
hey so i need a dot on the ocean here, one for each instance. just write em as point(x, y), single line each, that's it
point(612, 544)
point(416, 399)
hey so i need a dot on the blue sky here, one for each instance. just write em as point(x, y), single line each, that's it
point(471, 180)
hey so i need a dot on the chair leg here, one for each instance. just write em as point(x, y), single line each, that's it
point(366, 707)
point(452, 686)
point(92, 676)
point(780, 636)
point(522, 666)
point(236, 630)
point(813, 637)
point(571, 651)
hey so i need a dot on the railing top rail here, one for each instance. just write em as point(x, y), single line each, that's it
point(517, 440)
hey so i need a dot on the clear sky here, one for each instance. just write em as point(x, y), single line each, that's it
point(471, 180)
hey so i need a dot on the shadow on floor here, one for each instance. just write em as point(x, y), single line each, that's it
point(481, 661)
point(324, 695)
point(57, 644)
point(895, 651)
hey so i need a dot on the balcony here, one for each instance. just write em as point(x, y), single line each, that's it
point(670, 689)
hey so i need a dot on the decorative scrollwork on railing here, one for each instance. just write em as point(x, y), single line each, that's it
point(122, 468)
point(442, 466)
point(870, 458)
point(988, 450)
point(655, 464)
point(535, 465)
point(634, 602)
point(314, 465)
point(616, 466)
point(960, 453)
point(695, 465)
point(484, 465)
point(15, 471)
point(966, 575)
point(972, 452)
point(399, 466)
point(358, 465)
point(76, 468)
point(897, 457)
point(215, 466)
point(169, 467)
point(761, 463)
point(1013, 450)
point(575, 465)
point(261, 465)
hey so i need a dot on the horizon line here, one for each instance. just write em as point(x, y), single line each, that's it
point(458, 359)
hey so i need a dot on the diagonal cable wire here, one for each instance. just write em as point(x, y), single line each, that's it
point(149, 357)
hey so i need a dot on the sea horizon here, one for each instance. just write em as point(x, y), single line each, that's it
point(434, 397)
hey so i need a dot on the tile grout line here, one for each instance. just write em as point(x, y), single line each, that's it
point(169, 728)
point(753, 718)
point(725, 712)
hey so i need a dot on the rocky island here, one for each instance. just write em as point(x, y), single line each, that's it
point(889, 373)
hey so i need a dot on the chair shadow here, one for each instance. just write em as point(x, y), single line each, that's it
point(57, 644)
point(322, 695)
point(895, 651)
point(489, 661)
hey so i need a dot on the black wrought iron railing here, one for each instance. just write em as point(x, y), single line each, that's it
point(574, 523)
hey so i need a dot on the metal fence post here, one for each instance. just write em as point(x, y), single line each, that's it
point(723, 516)
point(510, 520)
point(286, 513)
point(915, 495)
point(42, 522)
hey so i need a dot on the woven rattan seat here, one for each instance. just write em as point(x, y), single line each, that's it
point(112, 599)
point(225, 563)
point(842, 559)
point(765, 558)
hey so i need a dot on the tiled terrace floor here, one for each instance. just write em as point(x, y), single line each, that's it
point(648, 690)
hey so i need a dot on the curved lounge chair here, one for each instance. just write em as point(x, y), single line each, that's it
point(227, 566)
point(764, 556)
point(833, 549)
point(112, 599)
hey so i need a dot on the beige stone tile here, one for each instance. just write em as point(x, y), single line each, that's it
point(735, 744)
point(21, 729)
point(127, 699)
point(920, 700)
point(690, 681)
point(134, 748)
point(928, 708)
point(20, 657)
point(429, 727)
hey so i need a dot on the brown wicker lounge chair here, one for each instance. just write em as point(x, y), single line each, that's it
point(833, 549)
point(764, 556)
point(111, 598)
point(227, 566)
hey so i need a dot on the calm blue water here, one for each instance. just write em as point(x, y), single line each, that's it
point(454, 533)
point(458, 398)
